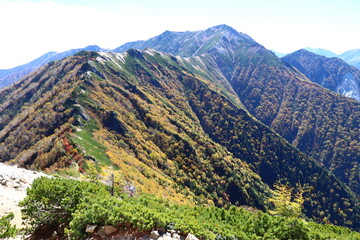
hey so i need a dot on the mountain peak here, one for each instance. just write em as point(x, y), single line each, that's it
point(93, 48)
point(195, 43)
point(303, 51)
point(224, 27)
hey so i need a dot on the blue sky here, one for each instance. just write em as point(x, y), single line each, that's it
point(30, 28)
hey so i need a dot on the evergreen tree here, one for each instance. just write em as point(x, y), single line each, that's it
point(285, 203)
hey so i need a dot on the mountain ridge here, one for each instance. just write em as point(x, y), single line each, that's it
point(157, 122)
point(331, 73)
point(351, 56)
point(281, 97)
point(9, 76)
point(220, 124)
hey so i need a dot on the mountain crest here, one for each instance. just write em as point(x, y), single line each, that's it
point(332, 73)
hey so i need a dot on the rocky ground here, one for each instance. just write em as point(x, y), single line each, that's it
point(13, 184)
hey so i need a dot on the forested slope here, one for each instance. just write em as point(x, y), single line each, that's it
point(320, 123)
point(161, 127)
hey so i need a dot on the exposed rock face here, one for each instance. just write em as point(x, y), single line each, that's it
point(349, 86)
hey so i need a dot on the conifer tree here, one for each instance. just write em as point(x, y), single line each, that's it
point(285, 203)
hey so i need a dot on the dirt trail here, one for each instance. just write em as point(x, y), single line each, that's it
point(13, 184)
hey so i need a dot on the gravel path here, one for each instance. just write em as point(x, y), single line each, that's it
point(13, 184)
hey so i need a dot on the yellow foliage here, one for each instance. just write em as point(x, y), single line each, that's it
point(285, 203)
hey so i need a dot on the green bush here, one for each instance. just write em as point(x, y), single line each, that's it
point(53, 201)
point(78, 204)
point(6, 228)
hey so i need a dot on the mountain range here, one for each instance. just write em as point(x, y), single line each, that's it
point(331, 73)
point(351, 57)
point(10, 76)
point(272, 91)
point(208, 116)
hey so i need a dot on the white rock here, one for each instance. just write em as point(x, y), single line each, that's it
point(175, 236)
point(191, 237)
point(154, 235)
point(165, 237)
point(90, 228)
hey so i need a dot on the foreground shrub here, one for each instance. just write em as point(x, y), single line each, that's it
point(78, 204)
point(52, 201)
point(6, 228)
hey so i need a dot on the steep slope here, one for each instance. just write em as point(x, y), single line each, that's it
point(331, 73)
point(98, 112)
point(9, 76)
point(318, 122)
point(164, 128)
point(352, 57)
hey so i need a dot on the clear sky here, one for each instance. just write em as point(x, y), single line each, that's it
point(30, 28)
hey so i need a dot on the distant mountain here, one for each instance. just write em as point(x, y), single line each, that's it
point(9, 76)
point(319, 51)
point(195, 43)
point(280, 55)
point(322, 52)
point(166, 126)
point(277, 94)
point(331, 73)
point(352, 57)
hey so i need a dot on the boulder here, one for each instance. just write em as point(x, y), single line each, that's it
point(191, 237)
point(165, 237)
point(90, 228)
point(106, 230)
point(175, 236)
point(154, 235)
